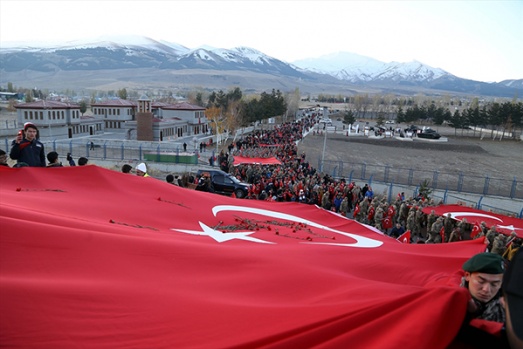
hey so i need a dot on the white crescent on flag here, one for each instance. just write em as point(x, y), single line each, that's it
point(361, 241)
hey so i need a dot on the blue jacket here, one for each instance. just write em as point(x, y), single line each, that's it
point(32, 153)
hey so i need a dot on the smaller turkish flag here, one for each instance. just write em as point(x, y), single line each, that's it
point(405, 237)
point(356, 210)
point(387, 223)
point(476, 229)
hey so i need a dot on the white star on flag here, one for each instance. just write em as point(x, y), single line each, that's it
point(511, 227)
point(222, 237)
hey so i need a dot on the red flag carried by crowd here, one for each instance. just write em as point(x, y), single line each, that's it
point(239, 160)
point(503, 224)
point(405, 237)
point(95, 258)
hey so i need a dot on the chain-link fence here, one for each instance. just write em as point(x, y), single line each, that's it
point(459, 181)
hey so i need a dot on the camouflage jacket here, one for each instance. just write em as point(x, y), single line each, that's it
point(492, 310)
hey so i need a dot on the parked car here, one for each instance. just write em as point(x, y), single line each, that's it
point(389, 121)
point(429, 134)
point(226, 184)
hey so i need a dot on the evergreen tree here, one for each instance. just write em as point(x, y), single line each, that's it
point(83, 107)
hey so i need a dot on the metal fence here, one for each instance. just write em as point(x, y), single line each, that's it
point(115, 149)
point(458, 182)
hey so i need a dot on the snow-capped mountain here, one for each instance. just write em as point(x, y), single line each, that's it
point(356, 68)
point(163, 60)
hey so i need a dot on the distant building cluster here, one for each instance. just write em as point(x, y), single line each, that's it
point(59, 120)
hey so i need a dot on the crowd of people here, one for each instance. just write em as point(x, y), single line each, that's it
point(295, 180)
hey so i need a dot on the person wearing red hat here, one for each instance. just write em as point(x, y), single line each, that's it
point(26, 149)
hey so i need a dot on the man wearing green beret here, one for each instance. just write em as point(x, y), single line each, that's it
point(483, 278)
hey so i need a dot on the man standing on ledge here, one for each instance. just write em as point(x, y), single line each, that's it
point(26, 148)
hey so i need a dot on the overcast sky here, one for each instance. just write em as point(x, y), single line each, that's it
point(479, 40)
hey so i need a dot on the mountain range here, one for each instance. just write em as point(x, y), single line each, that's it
point(144, 63)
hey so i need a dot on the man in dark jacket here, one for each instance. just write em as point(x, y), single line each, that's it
point(26, 148)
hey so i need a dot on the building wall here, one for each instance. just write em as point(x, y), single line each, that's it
point(144, 127)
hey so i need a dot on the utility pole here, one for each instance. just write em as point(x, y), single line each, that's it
point(324, 144)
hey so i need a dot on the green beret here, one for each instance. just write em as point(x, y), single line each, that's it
point(486, 262)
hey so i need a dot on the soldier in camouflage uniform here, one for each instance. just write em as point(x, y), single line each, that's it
point(455, 235)
point(434, 235)
point(364, 208)
point(410, 221)
point(418, 219)
point(431, 218)
point(325, 201)
point(448, 225)
point(344, 207)
point(403, 213)
point(378, 217)
point(498, 245)
point(491, 235)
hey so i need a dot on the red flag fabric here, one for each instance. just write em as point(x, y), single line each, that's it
point(476, 229)
point(405, 237)
point(386, 223)
point(95, 258)
point(503, 224)
point(442, 234)
point(239, 160)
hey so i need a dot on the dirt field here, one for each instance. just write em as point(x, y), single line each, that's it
point(472, 156)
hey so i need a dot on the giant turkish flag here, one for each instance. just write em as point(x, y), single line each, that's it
point(93, 258)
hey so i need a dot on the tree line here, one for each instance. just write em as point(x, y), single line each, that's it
point(506, 115)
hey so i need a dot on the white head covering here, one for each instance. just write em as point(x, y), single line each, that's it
point(142, 167)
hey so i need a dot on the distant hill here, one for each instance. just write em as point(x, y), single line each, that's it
point(140, 62)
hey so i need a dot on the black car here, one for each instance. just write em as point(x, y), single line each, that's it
point(429, 133)
point(225, 184)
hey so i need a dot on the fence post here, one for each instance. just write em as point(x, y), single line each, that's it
point(521, 213)
point(105, 150)
point(479, 203)
point(6, 144)
point(435, 179)
point(122, 152)
point(460, 182)
point(363, 168)
point(485, 186)
point(513, 188)
point(334, 171)
point(370, 179)
point(350, 176)
point(140, 152)
point(411, 175)
point(54, 144)
point(158, 153)
point(71, 146)
point(390, 192)
point(445, 196)
point(386, 175)
point(87, 149)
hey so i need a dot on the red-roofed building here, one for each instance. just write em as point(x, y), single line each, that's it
point(55, 119)
point(63, 120)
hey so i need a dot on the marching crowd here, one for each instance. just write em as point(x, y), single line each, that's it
point(296, 180)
